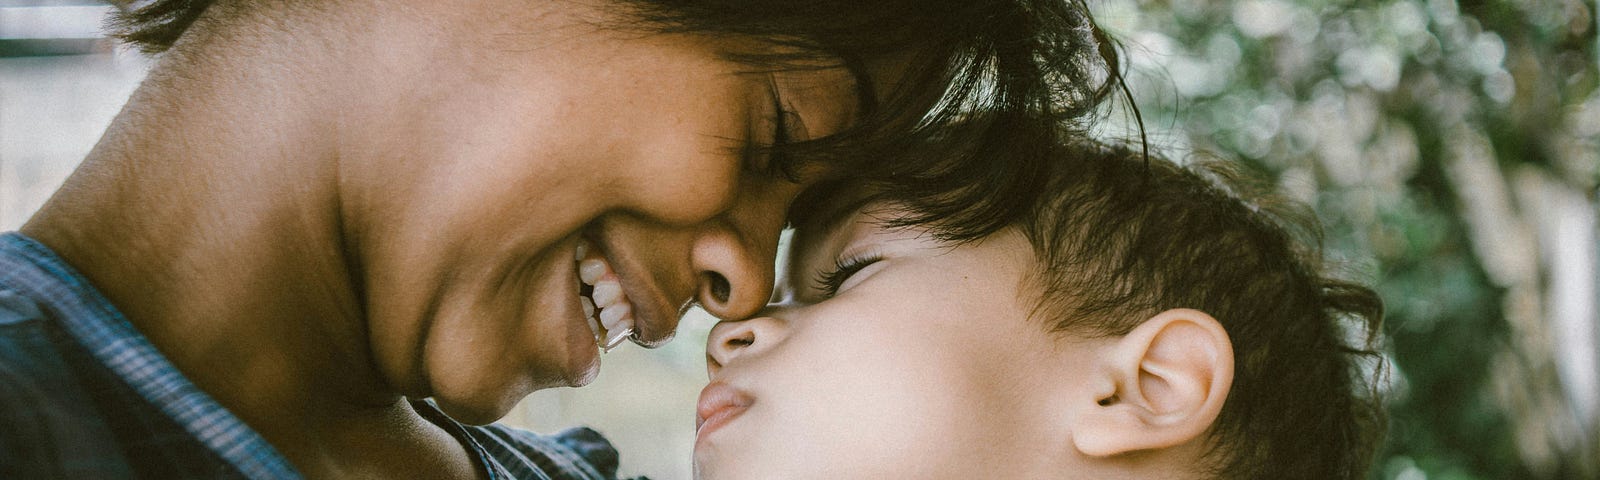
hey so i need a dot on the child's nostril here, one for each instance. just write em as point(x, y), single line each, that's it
point(720, 288)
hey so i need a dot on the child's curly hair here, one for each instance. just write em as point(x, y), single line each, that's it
point(1122, 237)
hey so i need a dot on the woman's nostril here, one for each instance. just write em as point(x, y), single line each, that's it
point(720, 288)
point(744, 341)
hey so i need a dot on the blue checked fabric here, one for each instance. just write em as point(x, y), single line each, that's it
point(84, 395)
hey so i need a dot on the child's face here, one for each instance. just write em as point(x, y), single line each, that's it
point(925, 364)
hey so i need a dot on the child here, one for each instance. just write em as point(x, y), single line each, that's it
point(1139, 321)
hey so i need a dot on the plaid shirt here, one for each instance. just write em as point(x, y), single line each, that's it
point(84, 395)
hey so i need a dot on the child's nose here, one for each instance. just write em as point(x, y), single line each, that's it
point(730, 340)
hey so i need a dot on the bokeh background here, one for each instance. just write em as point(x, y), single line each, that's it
point(1451, 147)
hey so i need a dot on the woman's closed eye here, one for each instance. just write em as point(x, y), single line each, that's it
point(788, 128)
point(830, 282)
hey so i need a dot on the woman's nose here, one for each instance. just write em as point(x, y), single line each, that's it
point(735, 271)
point(731, 340)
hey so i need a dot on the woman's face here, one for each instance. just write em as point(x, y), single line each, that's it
point(520, 130)
point(893, 356)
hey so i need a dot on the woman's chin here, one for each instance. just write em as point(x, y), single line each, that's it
point(474, 413)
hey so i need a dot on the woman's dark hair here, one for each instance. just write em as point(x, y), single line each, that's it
point(1121, 237)
point(951, 140)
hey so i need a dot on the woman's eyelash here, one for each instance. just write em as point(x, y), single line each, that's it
point(780, 134)
point(788, 128)
point(843, 268)
point(779, 123)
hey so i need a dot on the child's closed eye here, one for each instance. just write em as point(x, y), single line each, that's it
point(831, 281)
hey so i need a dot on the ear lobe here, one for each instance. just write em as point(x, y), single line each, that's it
point(1163, 385)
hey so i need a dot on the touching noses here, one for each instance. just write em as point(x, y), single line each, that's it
point(730, 340)
point(734, 258)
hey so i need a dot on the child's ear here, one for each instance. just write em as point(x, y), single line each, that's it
point(1162, 385)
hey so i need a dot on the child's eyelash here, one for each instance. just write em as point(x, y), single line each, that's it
point(843, 268)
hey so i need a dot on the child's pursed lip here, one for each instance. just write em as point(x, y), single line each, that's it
point(719, 404)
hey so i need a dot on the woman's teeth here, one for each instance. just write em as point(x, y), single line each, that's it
point(591, 270)
point(606, 292)
point(613, 316)
point(615, 320)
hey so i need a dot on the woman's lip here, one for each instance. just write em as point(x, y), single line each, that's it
point(719, 404)
point(647, 304)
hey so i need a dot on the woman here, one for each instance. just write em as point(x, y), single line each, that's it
point(314, 214)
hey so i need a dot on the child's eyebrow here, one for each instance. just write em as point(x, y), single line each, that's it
point(822, 208)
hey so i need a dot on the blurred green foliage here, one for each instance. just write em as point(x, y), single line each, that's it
point(1367, 111)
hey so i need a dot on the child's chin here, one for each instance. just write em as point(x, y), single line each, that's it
point(719, 466)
